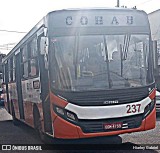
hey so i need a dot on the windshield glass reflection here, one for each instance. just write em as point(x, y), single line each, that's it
point(93, 62)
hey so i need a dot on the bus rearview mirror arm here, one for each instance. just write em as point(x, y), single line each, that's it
point(44, 50)
point(44, 45)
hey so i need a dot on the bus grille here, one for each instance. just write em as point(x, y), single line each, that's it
point(93, 126)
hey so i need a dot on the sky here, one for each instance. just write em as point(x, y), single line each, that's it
point(17, 17)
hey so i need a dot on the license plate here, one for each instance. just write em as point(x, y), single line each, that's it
point(111, 126)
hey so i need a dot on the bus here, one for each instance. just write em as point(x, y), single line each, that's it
point(83, 73)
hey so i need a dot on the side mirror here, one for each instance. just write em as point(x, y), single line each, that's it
point(44, 50)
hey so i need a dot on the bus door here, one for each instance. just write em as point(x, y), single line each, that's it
point(6, 84)
point(19, 84)
point(44, 88)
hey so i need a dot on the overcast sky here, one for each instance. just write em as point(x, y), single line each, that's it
point(22, 15)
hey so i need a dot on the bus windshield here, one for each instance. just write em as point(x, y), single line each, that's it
point(99, 62)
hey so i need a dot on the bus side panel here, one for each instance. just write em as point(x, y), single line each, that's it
point(31, 95)
point(14, 99)
point(27, 104)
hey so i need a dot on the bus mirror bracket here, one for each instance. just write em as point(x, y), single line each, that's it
point(44, 46)
point(44, 50)
point(45, 32)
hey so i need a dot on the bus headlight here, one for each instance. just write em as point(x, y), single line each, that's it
point(65, 114)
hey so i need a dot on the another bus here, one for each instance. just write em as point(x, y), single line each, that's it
point(83, 73)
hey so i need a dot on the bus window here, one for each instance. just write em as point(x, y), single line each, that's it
point(10, 69)
point(25, 61)
point(33, 62)
point(14, 77)
point(25, 75)
point(4, 74)
point(25, 53)
point(33, 67)
point(29, 59)
point(33, 47)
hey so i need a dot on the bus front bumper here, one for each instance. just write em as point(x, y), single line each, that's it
point(66, 130)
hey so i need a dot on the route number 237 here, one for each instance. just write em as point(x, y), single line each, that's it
point(135, 108)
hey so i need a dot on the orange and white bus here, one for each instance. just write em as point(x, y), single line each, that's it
point(83, 73)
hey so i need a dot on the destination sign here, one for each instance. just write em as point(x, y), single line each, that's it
point(99, 18)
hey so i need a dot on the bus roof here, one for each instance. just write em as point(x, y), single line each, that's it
point(98, 8)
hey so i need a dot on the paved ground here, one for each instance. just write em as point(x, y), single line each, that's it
point(10, 134)
point(4, 116)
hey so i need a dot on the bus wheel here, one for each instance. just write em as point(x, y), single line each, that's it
point(37, 122)
point(15, 121)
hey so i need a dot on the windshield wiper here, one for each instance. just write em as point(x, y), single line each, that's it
point(107, 62)
point(126, 46)
point(124, 50)
point(75, 56)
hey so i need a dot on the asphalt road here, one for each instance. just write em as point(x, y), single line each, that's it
point(22, 134)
